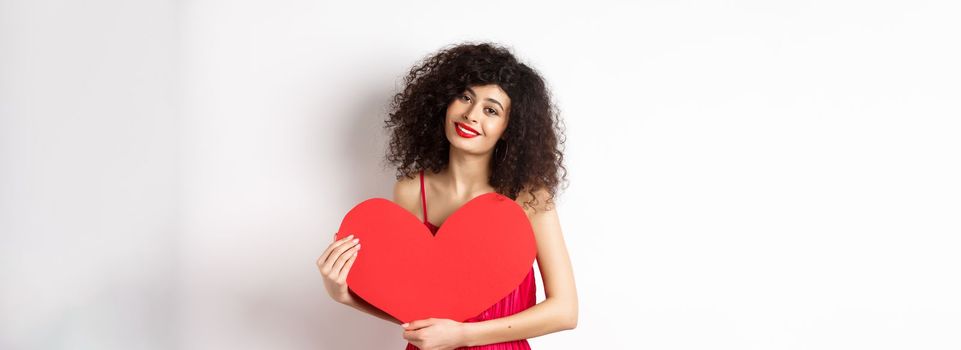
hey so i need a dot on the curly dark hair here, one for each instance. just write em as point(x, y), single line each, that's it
point(533, 140)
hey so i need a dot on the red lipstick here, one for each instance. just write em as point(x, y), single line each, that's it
point(465, 131)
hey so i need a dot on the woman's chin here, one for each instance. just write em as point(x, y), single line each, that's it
point(464, 146)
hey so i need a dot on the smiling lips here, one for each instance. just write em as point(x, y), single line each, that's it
point(465, 131)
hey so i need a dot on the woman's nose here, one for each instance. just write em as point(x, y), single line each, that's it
point(469, 115)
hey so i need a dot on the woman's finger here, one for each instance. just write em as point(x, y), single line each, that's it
point(338, 257)
point(418, 324)
point(330, 248)
point(346, 255)
point(325, 259)
point(350, 262)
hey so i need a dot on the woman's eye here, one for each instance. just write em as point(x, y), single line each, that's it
point(493, 111)
point(465, 97)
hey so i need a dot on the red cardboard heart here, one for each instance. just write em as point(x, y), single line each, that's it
point(479, 255)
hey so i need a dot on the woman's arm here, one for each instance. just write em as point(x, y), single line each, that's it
point(360, 304)
point(558, 312)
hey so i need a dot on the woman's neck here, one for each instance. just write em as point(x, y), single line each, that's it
point(466, 174)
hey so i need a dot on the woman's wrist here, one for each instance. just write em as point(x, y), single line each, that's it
point(349, 302)
point(469, 334)
point(362, 305)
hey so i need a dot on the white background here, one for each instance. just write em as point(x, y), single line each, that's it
point(743, 175)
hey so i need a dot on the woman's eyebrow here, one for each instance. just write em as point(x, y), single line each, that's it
point(489, 99)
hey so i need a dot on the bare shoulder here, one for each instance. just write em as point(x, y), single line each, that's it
point(535, 202)
point(407, 193)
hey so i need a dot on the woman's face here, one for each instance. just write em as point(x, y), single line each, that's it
point(483, 108)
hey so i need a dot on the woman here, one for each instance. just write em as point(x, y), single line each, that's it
point(471, 120)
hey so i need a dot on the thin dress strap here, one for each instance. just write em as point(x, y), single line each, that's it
point(423, 195)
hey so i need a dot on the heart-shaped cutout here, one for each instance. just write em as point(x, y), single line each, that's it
point(479, 255)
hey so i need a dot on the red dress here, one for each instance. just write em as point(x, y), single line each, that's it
point(521, 298)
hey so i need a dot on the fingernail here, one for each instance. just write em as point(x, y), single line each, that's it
point(405, 324)
point(351, 235)
point(356, 240)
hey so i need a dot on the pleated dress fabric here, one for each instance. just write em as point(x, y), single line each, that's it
point(520, 299)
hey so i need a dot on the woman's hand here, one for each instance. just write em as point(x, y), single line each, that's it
point(436, 334)
point(335, 263)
